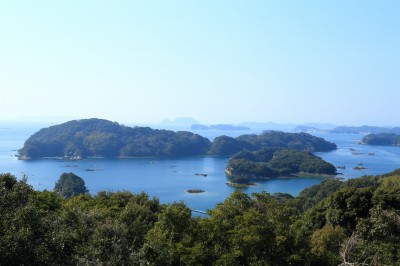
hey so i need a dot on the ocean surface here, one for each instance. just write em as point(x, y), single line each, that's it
point(168, 179)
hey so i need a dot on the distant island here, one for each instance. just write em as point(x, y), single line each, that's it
point(79, 139)
point(384, 139)
point(94, 137)
point(180, 122)
point(218, 127)
point(228, 146)
point(246, 166)
point(364, 130)
point(309, 129)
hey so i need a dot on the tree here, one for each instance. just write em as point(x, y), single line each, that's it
point(69, 185)
point(325, 245)
point(163, 242)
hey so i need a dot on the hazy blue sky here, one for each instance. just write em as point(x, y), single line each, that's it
point(216, 61)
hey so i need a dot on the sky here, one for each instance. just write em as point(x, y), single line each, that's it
point(220, 61)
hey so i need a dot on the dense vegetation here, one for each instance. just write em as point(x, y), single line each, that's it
point(228, 146)
point(96, 137)
point(347, 223)
point(246, 166)
point(385, 139)
point(69, 185)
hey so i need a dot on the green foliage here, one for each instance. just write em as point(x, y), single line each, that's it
point(272, 162)
point(96, 137)
point(357, 221)
point(162, 245)
point(367, 210)
point(69, 185)
point(226, 146)
point(297, 141)
point(246, 231)
point(242, 171)
point(311, 196)
point(384, 139)
point(23, 228)
point(300, 161)
point(347, 205)
point(269, 139)
point(325, 245)
point(264, 155)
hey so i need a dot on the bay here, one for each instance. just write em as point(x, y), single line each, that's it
point(169, 179)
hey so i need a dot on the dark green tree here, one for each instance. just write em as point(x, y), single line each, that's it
point(69, 185)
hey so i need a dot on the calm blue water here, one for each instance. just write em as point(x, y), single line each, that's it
point(384, 160)
point(168, 179)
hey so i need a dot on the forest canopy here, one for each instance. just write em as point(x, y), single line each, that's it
point(353, 222)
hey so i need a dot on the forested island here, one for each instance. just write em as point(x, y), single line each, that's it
point(334, 223)
point(228, 146)
point(245, 166)
point(97, 137)
point(79, 139)
point(384, 139)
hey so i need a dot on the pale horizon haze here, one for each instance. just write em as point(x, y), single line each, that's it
point(216, 61)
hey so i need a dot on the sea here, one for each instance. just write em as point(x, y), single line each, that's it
point(169, 178)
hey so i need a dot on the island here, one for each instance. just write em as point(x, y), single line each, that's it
point(218, 127)
point(97, 138)
point(309, 129)
point(383, 139)
point(246, 166)
point(94, 137)
point(227, 146)
point(364, 130)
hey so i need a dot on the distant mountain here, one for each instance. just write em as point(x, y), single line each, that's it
point(364, 130)
point(96, 137)
point(218, 127)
